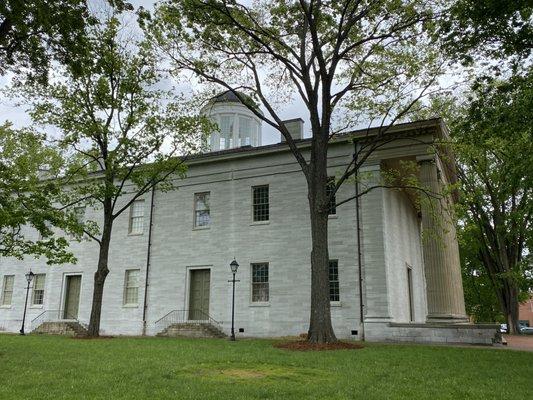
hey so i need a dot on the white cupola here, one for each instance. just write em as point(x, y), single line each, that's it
point(237, 125)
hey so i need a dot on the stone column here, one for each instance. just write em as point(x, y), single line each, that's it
point(444, 286)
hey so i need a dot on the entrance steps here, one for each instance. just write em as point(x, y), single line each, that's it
point(193, 330)
point(67, 328)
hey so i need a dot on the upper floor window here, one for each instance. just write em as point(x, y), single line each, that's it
point(260, 203)
point(37, 297)
point(330, 188)
point(137, 217)
point(7, 290)
point(202, 212)
point(260, 289)
point(131, 287)
point(334, 290)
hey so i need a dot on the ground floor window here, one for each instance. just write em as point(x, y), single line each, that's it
point(260, 289)
point(334, 290)
point(37, 297)
point(410, 293)
point(7, 290)
point(131, 287)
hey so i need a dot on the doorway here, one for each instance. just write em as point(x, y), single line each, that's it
point(72, 296)
point(199, 294)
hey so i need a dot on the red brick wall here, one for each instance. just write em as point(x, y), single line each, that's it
point(526, 311)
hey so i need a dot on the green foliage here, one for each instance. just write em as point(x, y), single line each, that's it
point(35, 32)
point(119, 132)
point(498, 28)
point(379, 55)
point(493, 140)
point(27, 209)
point(212, 369)
point(481, 298)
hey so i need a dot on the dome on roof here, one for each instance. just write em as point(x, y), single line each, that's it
point(230, 97)
point(237, 124)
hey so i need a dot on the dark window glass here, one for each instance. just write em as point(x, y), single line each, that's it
point(334, 293)
point(260, 290)
point(260, 203)
point(332, 208)
point(202, 212)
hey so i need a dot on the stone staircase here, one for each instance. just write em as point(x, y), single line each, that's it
point(67, 328)
point(194, 330)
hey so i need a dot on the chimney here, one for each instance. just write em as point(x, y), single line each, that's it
point(295, 127)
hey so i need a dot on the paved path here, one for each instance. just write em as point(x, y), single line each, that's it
point(522, 342)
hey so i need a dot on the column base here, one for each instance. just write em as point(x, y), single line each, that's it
point(448, 318)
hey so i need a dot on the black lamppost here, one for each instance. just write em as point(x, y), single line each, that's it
point(234, 266)
point(29, 277)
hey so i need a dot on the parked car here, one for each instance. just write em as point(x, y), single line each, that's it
point(526, 330)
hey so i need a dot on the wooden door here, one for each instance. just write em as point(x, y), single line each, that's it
point(72, 297)
point(199, 294)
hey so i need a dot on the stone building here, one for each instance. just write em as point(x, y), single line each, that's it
point(170, 255)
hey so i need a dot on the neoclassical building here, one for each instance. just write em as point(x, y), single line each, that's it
point(170, 255)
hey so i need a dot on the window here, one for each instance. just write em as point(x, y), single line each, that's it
point(226, 131)
point(202, 212)
point(260, 203)
point(137, 217)
point(410, 294)
point(245, 131)
point(37, 297)
point(260, 283)
point(7, 290)
point(79, 213)
point(131, 287)
point(334, 292)
point(332, 208)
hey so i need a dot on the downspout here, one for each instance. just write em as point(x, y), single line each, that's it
point(148, 253)
point(359, 252)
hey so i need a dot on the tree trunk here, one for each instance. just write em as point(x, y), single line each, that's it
point(511, 310)
point(320, 328)
point(99, 279)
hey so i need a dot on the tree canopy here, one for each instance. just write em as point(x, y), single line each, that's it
point(27, 209)
point(493, 138)
point(121, 133)
point(350, 62)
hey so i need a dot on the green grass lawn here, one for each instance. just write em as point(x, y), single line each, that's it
point(46, 367)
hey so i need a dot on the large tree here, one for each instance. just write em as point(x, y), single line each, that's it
point(120, 133)
point(347, 61)
point(34, 34)
point(494, 144)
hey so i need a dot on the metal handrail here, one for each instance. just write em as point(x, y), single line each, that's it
point(50, 315)
point(182, 316)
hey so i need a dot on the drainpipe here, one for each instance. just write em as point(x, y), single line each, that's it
point(359, 252)
point(148, 251)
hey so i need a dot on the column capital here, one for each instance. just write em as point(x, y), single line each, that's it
point(426, 158)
